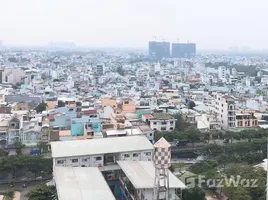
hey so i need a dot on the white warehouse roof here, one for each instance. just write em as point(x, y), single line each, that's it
point(142, 173)
point(81, 183)
point(100, 146)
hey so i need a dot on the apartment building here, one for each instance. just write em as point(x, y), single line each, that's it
point(208, 122)
point(160, 121)
point(246, 119)
point(103, 153)
point(225, 109)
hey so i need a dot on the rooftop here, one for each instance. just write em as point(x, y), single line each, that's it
point(100, 146)
point(162, 116)
point(142, 173)
point(77, 183)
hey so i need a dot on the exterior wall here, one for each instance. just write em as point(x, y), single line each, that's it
point(108, 102)
point(160, 126)
point(14, 75)
point(129, 107)
point(246, 123)
point(98, 160)
point(30, 138)
point(148, 194)
point(225, 111)
point(77, 129)
point(51, 104)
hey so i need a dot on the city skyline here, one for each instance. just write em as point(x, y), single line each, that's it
point(209, 24)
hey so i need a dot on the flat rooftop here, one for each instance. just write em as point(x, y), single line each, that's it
point(81, 183)
point(142, 173)
point(162, 116)
point(100, 146)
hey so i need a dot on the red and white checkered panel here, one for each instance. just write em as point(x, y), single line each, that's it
point(162, 157)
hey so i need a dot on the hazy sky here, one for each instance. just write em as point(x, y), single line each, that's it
point(212, 24)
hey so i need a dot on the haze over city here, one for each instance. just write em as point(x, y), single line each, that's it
point(125, 23)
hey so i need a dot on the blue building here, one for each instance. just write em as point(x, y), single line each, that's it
point(183, 50)
point(159, 50)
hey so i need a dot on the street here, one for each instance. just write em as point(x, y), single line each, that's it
point(18, 187)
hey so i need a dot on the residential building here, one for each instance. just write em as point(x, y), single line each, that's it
point(246, 119)
point(159, 50)
point(118, 119)
point(222, 72)
point(183, 50)
point(160, 121)
point(225, 109)
point(101, 152)
point(208, 122)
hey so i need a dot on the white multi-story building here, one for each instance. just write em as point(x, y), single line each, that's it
point(160, 121)
point(222, 72)
point(101, 152)
point(225, 108)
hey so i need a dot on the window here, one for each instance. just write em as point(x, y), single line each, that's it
point(163, 129)
point(126, 155)
point(74, 160)
point(154, 129)
point(52, 120)
point(59, 162)
point(171, 128)
point(98, 158)
point(221, 105)
point(155, 123)
point(83, 165)
point(163, 123)
point(151, 134)
point(84, 159)
point(148, 153)
point(3, 134)
point(135, 155)
point(171, 123)
point(71, 109)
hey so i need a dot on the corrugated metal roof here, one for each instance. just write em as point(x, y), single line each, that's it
point(142, 173)
point(81, 183)
point(100, 146)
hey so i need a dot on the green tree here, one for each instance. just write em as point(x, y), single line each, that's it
point(18, 146)
point(212, 150)
point(41, 107)
point(223, 159)
point(181, 165)
point(3, 152)
point(180, 124)
point(194, 194)
point(43, 192)
point(193, 135)
point(42, 146)
point(191, 104)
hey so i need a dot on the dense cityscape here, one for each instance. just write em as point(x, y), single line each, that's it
point(133, 100)
point(69, 117)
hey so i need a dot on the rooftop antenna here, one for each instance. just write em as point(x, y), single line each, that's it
point(154, 38)
point(178, 40)
point(162, 162)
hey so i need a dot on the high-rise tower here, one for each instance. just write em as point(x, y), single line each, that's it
point(162, 162)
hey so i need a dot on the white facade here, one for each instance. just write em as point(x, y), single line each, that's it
point(222, 72)
point(225, 108)
point(162, 124)
point(101, 152)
